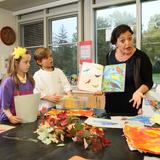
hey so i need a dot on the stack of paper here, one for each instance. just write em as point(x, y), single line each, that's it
point(144, 139)
point(4, 127)
point(27, 107)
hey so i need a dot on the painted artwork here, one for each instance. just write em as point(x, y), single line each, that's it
point(114, 78)
point(103, 123)
point(144, 139)
point(95, 77)
point(140, 118)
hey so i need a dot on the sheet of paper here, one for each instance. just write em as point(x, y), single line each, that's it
point(142, 119)
point(134, 120)
point(120, 119)
point(4, 127)
point(151, 158)
point(104, 123)
point(144, 139)
point(27, 107)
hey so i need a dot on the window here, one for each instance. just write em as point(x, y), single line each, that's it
point(63, 42)
point(32, 34)
point(106, 20)
point(151, 35)
point(32, 37)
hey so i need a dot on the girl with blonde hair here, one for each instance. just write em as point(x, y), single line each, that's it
point(17, 82)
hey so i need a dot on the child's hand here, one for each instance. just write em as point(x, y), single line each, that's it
point(56, 98)
point(15, 119)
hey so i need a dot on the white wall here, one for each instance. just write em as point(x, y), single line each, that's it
point(6, 19)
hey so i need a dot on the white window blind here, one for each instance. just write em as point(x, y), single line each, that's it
point(32, 37)
point(32, 34)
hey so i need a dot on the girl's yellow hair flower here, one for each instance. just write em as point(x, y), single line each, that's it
point(19, 52)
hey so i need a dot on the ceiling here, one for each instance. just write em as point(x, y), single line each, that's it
point(15, 5)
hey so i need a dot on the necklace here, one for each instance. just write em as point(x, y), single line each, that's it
point(22, 79)
point(124, 57)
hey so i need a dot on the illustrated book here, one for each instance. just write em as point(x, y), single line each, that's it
point(96, 77)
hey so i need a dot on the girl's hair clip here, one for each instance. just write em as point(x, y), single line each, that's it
point(19, 52)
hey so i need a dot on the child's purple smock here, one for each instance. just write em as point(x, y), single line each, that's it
point(7, 93)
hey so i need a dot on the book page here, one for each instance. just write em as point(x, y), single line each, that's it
point(27, 107)
point(114, 78)
point(90, 78)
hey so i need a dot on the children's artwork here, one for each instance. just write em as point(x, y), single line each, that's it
point(143, 119)
point(144, 139)
point(95, 77)
point(104, 123)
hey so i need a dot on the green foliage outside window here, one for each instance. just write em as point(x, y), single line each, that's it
point(150, 38)
point(65, 53)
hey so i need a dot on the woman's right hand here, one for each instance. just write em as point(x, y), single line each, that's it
point(137, 99)
point(14, 119)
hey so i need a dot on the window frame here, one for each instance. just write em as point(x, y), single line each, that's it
point(101, 4)
point(45, 15)
point(50, 45)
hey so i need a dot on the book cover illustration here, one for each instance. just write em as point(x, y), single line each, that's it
point(114, 78)
point(90, 78)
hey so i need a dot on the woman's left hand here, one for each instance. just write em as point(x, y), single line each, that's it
point(136, 99)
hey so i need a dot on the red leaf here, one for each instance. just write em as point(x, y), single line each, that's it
point(64, 122)
point(62, 115)
point(43, 110)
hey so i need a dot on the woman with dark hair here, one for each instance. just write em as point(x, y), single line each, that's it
point(138, 78)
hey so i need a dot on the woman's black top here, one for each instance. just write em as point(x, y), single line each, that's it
point(138, 72)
